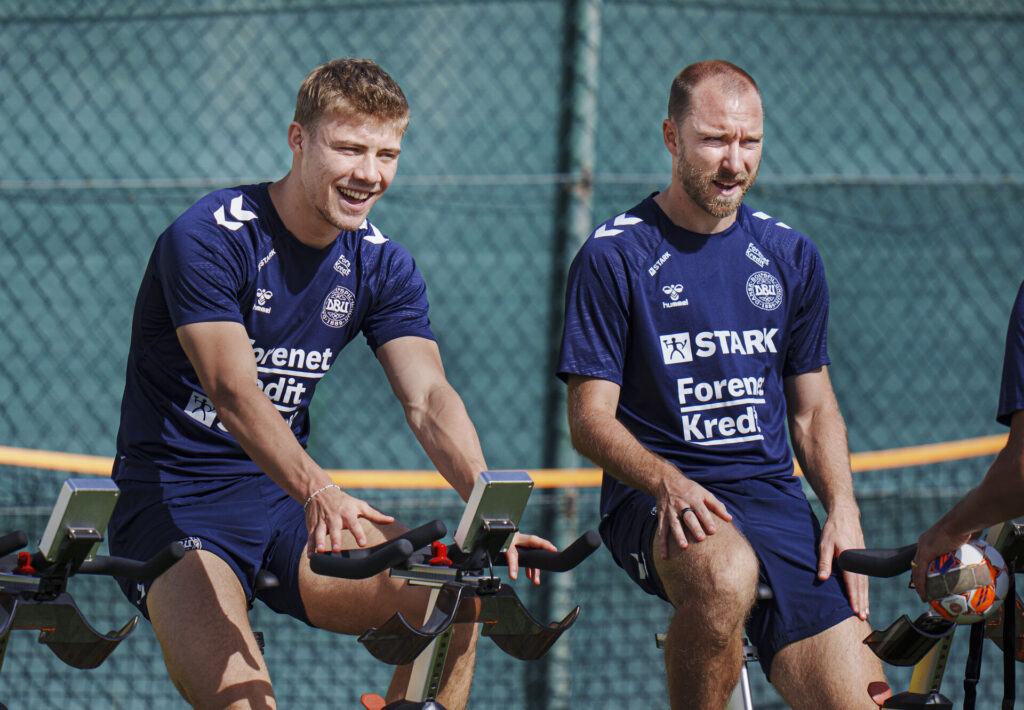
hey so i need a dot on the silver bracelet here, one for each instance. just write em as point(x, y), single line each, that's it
point(319, 490)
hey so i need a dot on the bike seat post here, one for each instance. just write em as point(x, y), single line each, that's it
point(740, 699)
point(265, 579)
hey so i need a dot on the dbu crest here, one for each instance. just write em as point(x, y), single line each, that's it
point(338, 307)
point(764, 290)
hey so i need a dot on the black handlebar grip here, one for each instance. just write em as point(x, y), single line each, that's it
point(349, 564)
point(878, 563)
point(12, 541)
point(425, 534)
point(135, 569)
point(560, 561)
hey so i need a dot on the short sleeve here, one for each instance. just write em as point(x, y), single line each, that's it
point(808, 343)
point(1011, 391)
point(202, 274)
point(400, 306)
point(596, 329)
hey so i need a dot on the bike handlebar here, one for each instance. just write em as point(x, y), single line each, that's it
point(12, 541)
point(348, 566)
point(887, 562)
point(361, 563)
point(560, 561)
point(141, 571)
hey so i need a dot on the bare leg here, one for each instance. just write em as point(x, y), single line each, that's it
point(830, 670)
point(200, 618)
point(353, 606)
point(712, 585)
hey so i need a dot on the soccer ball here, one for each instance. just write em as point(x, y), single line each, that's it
point(967, 585)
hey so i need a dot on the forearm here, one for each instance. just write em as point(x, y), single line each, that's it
point(822, 450)
point(603, 440)
point(263, 434)
point(446, 433)
point(999, 497)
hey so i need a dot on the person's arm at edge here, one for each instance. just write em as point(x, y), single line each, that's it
point(221, 354)
point(601, 438)
point(820, 444)
point(998, 498)
point(439, 420)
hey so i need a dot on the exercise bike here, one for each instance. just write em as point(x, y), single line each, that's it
point(925, 642)
point(34, 585)
point(464, 587)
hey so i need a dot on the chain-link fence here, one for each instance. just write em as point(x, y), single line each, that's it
point(608, 660)
point(892, 141)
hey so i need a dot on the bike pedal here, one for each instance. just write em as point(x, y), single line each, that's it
point(372, 701)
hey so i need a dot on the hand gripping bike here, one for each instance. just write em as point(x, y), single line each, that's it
point(464, 586)
point(925, 642)
point(33, 585)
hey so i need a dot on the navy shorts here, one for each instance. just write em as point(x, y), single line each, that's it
point(777, 521)
point(247, 521)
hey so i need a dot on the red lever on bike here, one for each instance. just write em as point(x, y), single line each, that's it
point(440, 558)
point(24, 564)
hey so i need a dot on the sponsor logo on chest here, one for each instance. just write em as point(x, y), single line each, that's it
point(678, 348)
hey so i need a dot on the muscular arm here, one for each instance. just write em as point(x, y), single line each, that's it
point(434, 410)
point(819, 441)
point(600, 437)
point(222, 357)
point(439, 420)
point(999, 497)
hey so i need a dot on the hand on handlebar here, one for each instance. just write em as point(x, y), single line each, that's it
point(330, 512)
point(531, 541)
point(682, 502)
point(932, 544)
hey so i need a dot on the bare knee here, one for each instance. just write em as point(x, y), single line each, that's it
point(716, 590)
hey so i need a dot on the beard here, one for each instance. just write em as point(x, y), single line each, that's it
point(697, 184)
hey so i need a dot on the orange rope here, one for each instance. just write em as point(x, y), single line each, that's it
point(542, 478)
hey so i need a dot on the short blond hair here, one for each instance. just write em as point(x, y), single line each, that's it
point(350, 86)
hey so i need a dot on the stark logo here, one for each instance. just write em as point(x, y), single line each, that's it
point(338, 307)
point(200, 408)
point(675, 348)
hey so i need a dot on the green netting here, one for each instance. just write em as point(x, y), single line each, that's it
point(892, 140)
point(607, 661)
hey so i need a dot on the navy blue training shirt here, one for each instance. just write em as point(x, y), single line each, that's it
point(1011, 393)
point(699, 332)
point(230, 258)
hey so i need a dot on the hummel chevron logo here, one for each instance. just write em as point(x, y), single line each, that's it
point(237, 211)
point(623, 220)
point(375, 237)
